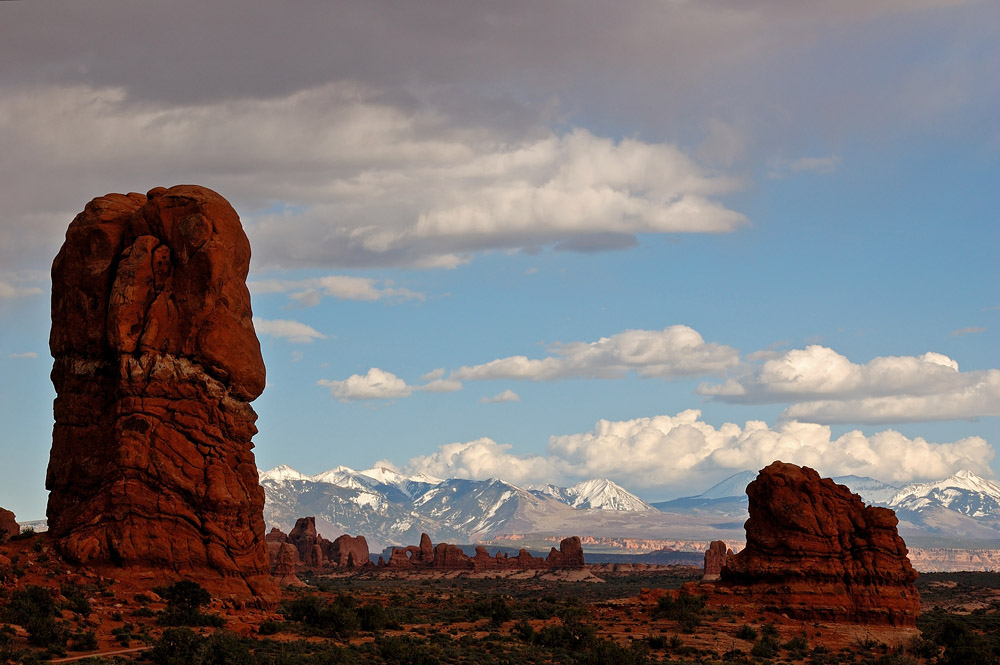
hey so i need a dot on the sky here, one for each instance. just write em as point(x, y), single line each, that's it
point(658, 242)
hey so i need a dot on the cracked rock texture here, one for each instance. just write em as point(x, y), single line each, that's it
point(156, 363)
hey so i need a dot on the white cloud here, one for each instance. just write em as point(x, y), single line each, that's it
point(482, 459)
point(363, 177)
point(376, 384)
point(292, 331)
point(309, 292)
point(506, 396)
point(679, 452)
point(8, 291)
point(961, 332)
point(27, 354)
point(676, 351)
point(441, 386)
point(826, 387)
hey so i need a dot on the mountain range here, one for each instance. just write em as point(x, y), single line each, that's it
point(389, 508)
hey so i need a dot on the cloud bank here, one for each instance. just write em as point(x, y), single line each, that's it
point(826, 387)
point(676, 454)
point(287, 329)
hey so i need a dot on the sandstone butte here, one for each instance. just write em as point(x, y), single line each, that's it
point(451, 557)
point(814, 551)
point(8, 525)
point(155, 364)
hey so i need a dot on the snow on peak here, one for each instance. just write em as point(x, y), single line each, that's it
point(603, 494)
point(734, 485)
point(964, 480)
point(281, 473)
point(384, 475)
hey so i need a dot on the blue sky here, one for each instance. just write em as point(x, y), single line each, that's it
point(658, 242)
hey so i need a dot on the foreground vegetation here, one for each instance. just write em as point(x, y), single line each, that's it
point(357, 620)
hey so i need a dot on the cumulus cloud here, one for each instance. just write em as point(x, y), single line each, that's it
point(376, 384)
point(676, 351)
point(380, 384)
point(506, 396)
point(309, 292)
point(679, 452)
point(286, 329)
point(826, 387)
point(482, 459)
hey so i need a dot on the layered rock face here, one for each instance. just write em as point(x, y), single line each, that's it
point(451, 557)
point(815, 551)
point(156, 362)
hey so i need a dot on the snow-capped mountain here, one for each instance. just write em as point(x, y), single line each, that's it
point(964, 493)
point(597, 494)
point(388, 507)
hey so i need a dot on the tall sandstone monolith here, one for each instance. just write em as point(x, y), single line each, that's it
point(156, 363)
point(815, 551)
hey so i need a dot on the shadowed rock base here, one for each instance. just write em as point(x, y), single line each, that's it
point(156, 360)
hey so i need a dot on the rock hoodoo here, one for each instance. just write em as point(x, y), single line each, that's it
point(715, 559)
point(815, 551)
point(156, 363)
point(451, 557)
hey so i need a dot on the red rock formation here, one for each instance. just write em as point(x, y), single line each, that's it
point(451, 557)
point(307, 541)
point(8, 525)
point(569, 555)
point(156, 361)
point(715, 558)
point(349, 552)
point(815, 551)
point(284, 563)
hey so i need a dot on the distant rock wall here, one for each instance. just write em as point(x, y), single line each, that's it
point(451, 557)
point(312, 550)
point(815, 551)
point(156, 362)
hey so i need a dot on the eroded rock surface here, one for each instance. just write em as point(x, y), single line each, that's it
point(314, 551)
point(156, 362)
point(815, 551)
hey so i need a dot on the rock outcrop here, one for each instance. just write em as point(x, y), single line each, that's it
point(8, 525)
point(312, 550)
point(715, 558)
point(451, 557)
point(815, 551)
point(156, 363)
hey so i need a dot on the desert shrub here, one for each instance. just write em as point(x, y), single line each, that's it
point(84, 641)
point(687, 609)
point(184, 602)
point(225, 648)
point(602, 652)
point(765, 647)
point(176, 646)
point(25, 605)
point(406, 651)
point(269, 628)
point(124, 634)
point(746, 632)
point(570, 635)
point(76, 599)
point(336, 618)
point(374, 617)
point(494, 608)
point(797, 646)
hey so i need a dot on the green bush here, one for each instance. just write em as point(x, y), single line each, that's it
point(746, 632)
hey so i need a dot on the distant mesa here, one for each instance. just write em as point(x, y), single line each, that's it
point(444, 556)
point(814, 551)
point(156, 363)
